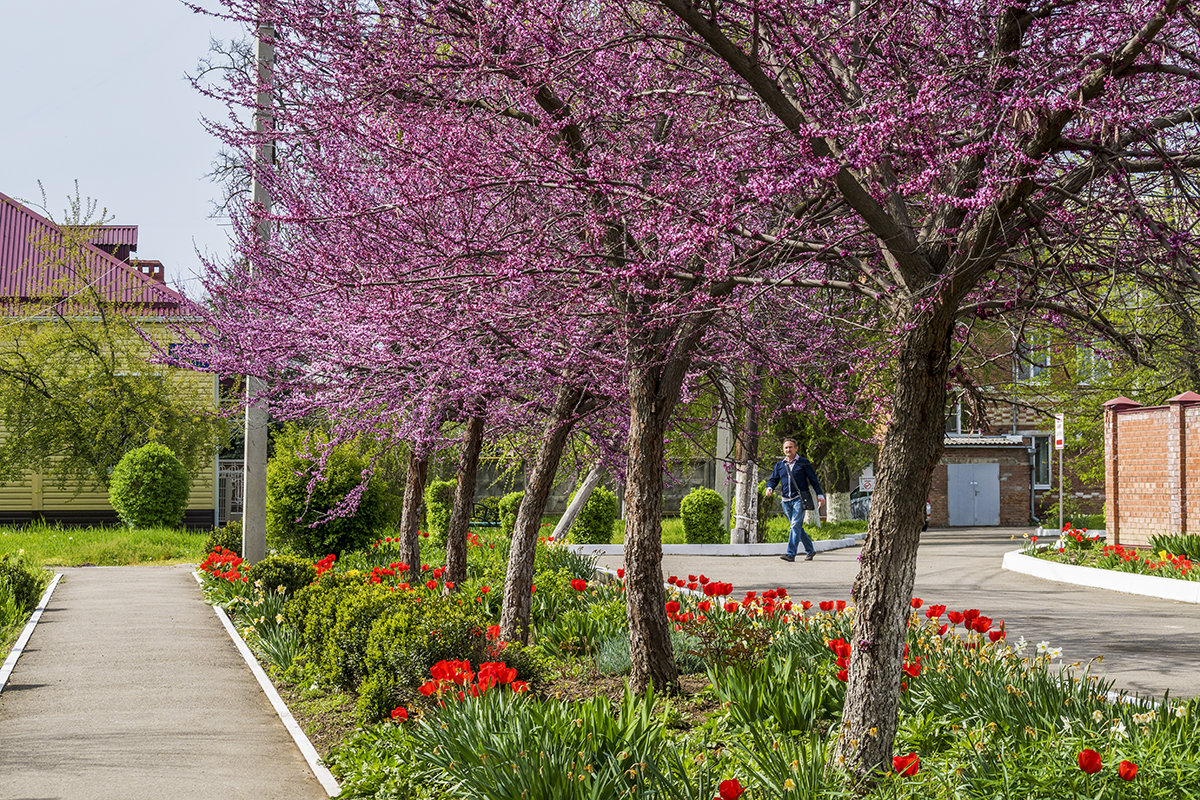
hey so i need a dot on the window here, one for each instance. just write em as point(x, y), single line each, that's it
point(1092, 363)
point(1029, 360)
point(1041, 462)
point(954, 418)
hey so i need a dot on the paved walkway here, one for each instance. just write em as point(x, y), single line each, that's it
point(129, 689)
point(1149, 645)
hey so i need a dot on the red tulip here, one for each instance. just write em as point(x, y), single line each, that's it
point(954, 616)
point(916, 602)
point(401, 713)
point(672, 606)
point(1089, 761)
point(620, 572)
point(1127, 770)
point(995, 636)
point(730, 789)
point(731, 607)
point(579, 584)
point(840, 605)
point(843, 675)
point(906, 765)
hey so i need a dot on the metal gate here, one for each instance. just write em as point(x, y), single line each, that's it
point(973, 496)
point(230, 486)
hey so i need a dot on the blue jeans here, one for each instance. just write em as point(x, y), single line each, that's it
point(794, 511)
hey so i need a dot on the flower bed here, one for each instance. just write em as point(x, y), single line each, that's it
point(980, 716)
point(1079, 547)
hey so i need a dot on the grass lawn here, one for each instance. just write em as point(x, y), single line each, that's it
point(57, 546)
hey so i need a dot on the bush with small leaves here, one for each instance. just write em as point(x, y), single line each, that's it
point(227, 537)
point(594, 525)
point(701, 510)
point(509, 504)
point(439, 502)
point(290, 572)
point(23, 580)
point(149, 487)
point(297, 520)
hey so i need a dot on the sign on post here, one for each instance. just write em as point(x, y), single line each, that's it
point(1058, 431)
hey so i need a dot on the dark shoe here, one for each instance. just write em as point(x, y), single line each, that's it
point(810, 556)
point(787, 558)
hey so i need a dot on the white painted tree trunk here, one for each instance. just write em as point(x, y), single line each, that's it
point(590, 482)
point(838, 505)
point(745, 505)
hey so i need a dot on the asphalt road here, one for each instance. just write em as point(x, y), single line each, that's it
point(1149, 646)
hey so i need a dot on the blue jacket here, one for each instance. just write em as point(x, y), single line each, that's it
point(802, 476)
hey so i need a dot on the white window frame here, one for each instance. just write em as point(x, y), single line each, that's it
point(1043, 442)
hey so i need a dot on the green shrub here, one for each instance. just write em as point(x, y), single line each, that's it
point(413, 636)
point(509, 504)
point(291, 572)
point(297, 521)
point(345, 658)
point(701, 510)
point(228, 537)
point(377, 697)
point(24, 581)
point(439, 502)
point(313, 612)
point(149, 487)
point(594, 525)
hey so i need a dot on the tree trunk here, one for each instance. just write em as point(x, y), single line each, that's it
point(837, 507)
point(464, 497)
point(518, 581)
point(590, 482)
point(410, 519)
point(745, 505)
point(745, 501)
point(883, 587)
point(645, 598)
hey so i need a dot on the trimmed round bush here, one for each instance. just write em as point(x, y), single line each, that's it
point(228, 537)
point(701, 510)
point(439, 502)
point(149, 487)
point(290, 572)
point(509, 504)
point(297, 522)
point(594, 525)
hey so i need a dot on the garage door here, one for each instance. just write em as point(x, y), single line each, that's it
point(973, 496)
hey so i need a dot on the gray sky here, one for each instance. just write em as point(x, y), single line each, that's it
point(96, 92)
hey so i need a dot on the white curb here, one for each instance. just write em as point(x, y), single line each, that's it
point(328, 782)
point(1127, 582)
point(762, 549)
point(10, 663)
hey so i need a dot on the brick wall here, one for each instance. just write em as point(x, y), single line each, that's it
point(1152, 457)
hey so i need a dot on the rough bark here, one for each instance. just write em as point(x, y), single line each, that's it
point(590, 482)
point(464, 497)
point(518, 581)
point(883, 587)
point(410, 516)
point(649, 628)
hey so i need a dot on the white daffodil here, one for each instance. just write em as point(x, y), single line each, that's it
point(1097, 716)
point(1043, 646)
point(1118, 729)
point(1055, 652)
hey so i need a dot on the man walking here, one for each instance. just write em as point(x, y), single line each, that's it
point(795, 473)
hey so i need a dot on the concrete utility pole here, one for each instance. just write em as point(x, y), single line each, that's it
point(254, 509)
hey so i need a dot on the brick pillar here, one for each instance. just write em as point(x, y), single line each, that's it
point(1112, 483)
point(1177, 477)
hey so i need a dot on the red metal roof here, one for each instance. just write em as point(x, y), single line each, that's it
point(35, 267)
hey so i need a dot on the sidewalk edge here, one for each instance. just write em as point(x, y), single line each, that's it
point(322, 774)
point(1129, 583)
point(10, 663)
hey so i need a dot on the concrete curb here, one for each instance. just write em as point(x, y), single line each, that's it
point(323, 775)
point(1127, 582)
point(764, 549)
point(10, 663)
